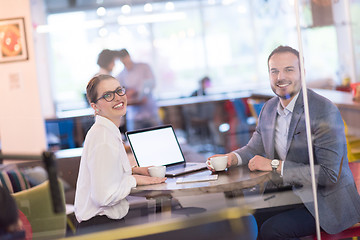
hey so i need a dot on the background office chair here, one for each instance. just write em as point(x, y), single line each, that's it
point(255, 106)
point(63, 131)
point(36, 204)
point(353, 145)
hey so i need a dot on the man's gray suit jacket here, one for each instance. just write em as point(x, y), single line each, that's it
point(338, 199)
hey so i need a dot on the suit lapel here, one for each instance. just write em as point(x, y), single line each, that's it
point(296, 116)
point(272, 132)
point(269, 131)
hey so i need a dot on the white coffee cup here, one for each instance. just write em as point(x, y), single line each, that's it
point(157, 171)
point(218, 163)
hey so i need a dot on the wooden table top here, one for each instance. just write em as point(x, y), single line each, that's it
point(232, 179)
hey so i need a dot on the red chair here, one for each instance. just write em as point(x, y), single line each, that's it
point(26, 225)
point(353, 231)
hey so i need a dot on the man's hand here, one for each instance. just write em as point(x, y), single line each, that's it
point(260, 163)
point(232, 160)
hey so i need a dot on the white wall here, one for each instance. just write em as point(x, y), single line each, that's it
point(22, 127)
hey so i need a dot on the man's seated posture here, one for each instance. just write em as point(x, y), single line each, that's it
point(279, 144)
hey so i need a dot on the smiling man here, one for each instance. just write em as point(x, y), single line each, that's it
point(279, 144)
point(284, 71)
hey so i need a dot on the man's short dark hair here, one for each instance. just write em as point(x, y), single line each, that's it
point(122, 53)
point(105, 57)
point(283, 49)
point(205, 79)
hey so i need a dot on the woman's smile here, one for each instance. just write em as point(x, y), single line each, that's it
point(120, 105)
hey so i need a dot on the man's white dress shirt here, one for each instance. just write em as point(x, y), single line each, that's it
point(281, 130)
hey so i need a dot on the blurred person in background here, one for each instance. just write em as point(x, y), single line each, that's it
point(106, 62)
point(139, 81)
point(201, 118)
point(204, 84)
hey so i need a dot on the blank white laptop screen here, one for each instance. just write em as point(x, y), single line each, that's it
point(157, 146)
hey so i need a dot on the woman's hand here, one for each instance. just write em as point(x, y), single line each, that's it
point(141, 171)
point(15, 227)
point(146, 180)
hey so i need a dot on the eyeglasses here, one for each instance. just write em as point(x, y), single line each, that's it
point(109, 96)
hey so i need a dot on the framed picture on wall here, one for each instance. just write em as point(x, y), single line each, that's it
point(13, 45)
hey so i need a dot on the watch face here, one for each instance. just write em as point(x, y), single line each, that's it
point(275, 162)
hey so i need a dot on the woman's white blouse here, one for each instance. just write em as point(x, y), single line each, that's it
point(104, 178)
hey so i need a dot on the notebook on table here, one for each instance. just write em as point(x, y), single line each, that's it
point(159, 146)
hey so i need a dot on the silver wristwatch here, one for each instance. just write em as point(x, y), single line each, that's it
point(275, 164)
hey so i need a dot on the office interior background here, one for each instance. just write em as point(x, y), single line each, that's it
point(227, 40)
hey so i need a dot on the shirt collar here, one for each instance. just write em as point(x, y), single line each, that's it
point(108, 124)
point(289, 108)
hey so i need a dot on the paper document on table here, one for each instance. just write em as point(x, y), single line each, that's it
point(197, 179)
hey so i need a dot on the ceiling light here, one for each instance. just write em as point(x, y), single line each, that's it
point(101, 11)
point(169, 6)
point(126, 9)
point(103, 32)
point(148, 7)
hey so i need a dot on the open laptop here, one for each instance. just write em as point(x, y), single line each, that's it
point(159, 146)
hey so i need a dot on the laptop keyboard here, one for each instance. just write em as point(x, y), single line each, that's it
point(182, 166)
point(171, 168)
point(190, 165)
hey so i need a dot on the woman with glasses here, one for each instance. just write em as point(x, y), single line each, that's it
point(105, 176)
